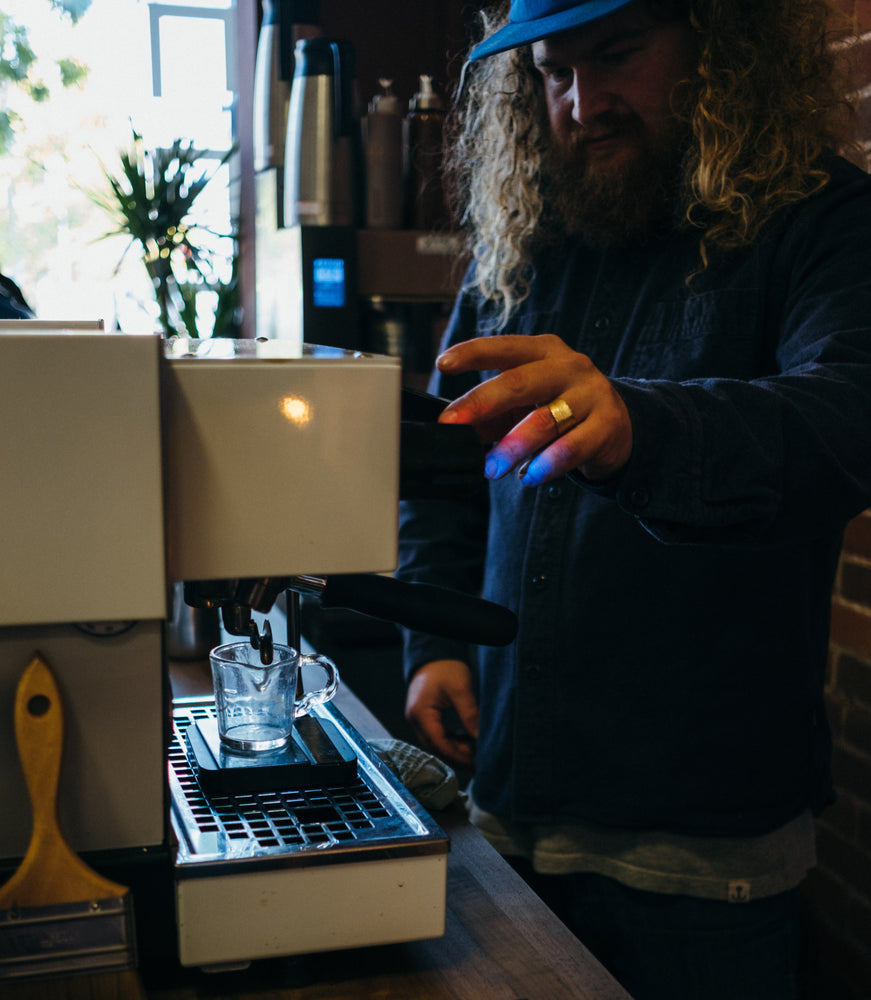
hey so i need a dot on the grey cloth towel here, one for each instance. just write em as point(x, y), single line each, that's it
point(432, 782)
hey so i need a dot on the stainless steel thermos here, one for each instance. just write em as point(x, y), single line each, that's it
point(323, 150)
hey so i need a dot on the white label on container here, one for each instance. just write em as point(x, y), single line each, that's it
point(439, 244)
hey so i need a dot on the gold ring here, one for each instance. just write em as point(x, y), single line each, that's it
point(561, 413)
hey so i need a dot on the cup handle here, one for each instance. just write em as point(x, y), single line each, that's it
point(319, 696)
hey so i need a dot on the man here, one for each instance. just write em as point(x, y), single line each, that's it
point(666, 334)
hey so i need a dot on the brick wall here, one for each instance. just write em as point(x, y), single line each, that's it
point(839, 890)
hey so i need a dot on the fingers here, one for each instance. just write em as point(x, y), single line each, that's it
point(591, 430)
point(437, 691)
point(550, 409)
point(497, 353)
point(597, 440)
point(599, 447)
point(453, 747)
point(532, 371)
point(528, 438)
point(467, 712)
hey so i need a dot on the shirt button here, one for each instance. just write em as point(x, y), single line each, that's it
point(639, 497)
point(533, 671)
point(554, 492)
point(602, 322)
point(540, 582)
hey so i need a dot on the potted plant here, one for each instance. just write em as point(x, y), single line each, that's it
point(151, 200)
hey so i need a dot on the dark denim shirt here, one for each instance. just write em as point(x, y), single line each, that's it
point(668, 669)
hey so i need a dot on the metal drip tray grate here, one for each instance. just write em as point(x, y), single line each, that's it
point(287, 826)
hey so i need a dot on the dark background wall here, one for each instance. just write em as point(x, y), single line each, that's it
point(399, 40)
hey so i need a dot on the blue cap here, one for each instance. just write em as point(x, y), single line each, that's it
point(530, 20)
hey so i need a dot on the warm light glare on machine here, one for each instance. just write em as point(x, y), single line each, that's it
point(298, 411)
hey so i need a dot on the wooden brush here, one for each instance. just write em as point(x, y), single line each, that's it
point(57, 915)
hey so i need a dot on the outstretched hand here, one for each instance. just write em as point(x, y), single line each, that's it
point(592, 432)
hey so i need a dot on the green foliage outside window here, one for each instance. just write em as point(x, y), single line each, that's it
point(18, 64)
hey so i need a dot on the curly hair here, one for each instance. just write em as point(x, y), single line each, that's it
point(772, 98)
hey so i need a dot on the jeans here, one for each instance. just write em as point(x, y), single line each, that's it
point(671, 947)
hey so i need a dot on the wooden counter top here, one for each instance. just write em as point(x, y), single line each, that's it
point(501, 941)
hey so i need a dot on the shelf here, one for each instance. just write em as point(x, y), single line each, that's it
point(409, 265)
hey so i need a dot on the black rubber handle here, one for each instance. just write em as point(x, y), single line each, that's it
point(422, 607)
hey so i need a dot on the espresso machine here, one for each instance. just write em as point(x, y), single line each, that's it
point(242, 469)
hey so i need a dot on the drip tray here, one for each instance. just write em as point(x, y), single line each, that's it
point(367, 859)
point(369, 807)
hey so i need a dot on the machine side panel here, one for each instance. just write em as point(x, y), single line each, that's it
point(81, 478)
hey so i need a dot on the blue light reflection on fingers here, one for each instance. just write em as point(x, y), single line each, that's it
point(538, 471)
point(496, 465)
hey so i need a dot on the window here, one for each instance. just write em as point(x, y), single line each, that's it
point(164, 68)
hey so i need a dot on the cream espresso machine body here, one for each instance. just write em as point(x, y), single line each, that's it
point(132, 463)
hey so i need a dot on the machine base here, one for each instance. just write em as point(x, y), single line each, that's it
point(287, 872)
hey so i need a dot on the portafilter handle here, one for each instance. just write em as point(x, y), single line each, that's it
point(418, 606)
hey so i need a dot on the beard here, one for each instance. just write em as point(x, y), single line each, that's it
point(608, 203)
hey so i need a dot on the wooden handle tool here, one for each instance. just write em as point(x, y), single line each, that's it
point(56, 913)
